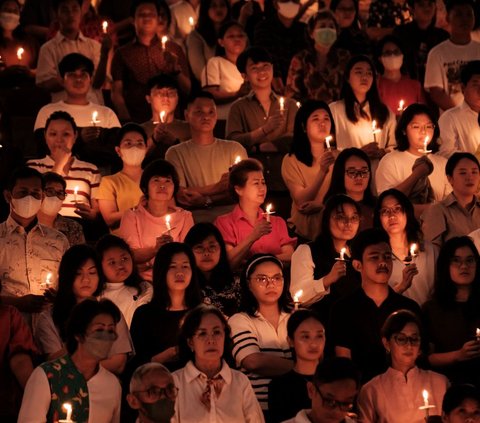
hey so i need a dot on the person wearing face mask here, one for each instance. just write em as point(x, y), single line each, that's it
point(395, 86)
point(317, 71)
point(29, 251)
point(48, 214)
point(77, 378)
point(121, 191)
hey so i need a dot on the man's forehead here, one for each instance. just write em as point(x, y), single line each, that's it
point(157, 377)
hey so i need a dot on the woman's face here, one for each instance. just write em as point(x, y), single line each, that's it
point(255, 189)
point(420, 127)
point(207, 253)
point(160, 188)
point(117, 265)
point(392, 216)
point(361, 78)
point(86, 280)
point(266, 283)
point(208, 341)
point(404, 346)
point(309, 340)
point(357, 175)
point(60, 137)
point(345, 13)
point(234, 41)
point(344, 223)
point(179, 273)
point(463, 266)
point(319, 125)
point(217, 11)
point(465, 178)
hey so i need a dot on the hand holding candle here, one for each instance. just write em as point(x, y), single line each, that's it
point(342, 254)
point(426, 406)
point(68, 408)
point(296, 298)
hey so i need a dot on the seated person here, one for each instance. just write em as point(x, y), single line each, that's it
point(48, 215)
point(356, 319)
point(332, 392)
point(152, 393)
point(94, 121)
point(202, 163)
point(25, 269)
point(163, 129)
point(136, 62)
point(69, 39)
point(461, 403)
point(248, 230)
point(120, 192)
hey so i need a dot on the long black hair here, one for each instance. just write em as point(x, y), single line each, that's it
point(205, 25)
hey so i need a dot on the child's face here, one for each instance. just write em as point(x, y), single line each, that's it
point(117, 265)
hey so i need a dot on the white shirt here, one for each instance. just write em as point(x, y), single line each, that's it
point(104, 398)
point(475, 235)
point(444, 64)
point(81, 114)
point(302, 417)
point(236, 403)
point(396, 166)
point(459, 130)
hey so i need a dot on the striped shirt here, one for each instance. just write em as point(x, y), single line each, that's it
point(81, 174)
point(256, 334)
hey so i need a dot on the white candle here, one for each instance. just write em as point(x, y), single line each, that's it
point(426, 406)
point(296, 298)
point(75, 192)
point(268, 211)
point(282, 104)
point(48, 281)
point(163, 114)
point(298, 104)
point(328, 139)
point(164, 41)
point(238, 159)
point(20, 52)
point(104, 27)
point(167, 222)
point(413, 250)
point(342, 253)
point(95, 118)
point(68, 407)
point(400, 106)
point(425, 398)
point(477, 334)
point(191, 21)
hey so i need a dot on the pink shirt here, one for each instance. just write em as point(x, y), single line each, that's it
point(235, 227)
point(408, 90)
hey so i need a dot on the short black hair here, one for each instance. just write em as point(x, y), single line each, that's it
point(199, 94)
point(137, 3)
point(130, 127)
point(456, 394)
point(159, 167)
point(398, 320)
point(298, 317)
point(239, 174)
point(61, 115)
point(365, 239)
point(75, 61)
point(471, 69)
point(54, 177)
point(57, 3)
point(162, 80)
point(255, 54)
point(23, 172)
point(336, 368)
point(455, 158)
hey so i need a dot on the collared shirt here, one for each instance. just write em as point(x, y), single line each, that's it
point(447, 219)
point(459, 130)
point(26, 258)
point(54, 50)
point(235, 404)
point(235, 227)
point(393, 397)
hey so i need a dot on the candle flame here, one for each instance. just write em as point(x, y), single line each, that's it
point(282, 103)
point(298, 104)
point(426, 140)
point(238, 159)
point(75, 191)
point(164, 41)
point(162, 116)
point(413, 250)
point(374, 125)
point(328, 139)
point(104, 26)
point(49, 276)
point(191, 21)
point(477, 333)
point(297, 295)
point(400, 105)
point(20, 52)
point(167, 219)
point(94, 116)
point(268, 209)
point(425, 395)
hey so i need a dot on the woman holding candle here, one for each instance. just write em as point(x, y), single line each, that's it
point(307, 170)
point(323, 269)
point(218, 284)
point(396, 395)
point(75, 385)
point(158, 222)
point(287, 394)
point(121, 191)
point(352, 176)
point(79, 277)
point(209, 390)
point(259, 331)
point(409, 169)
point(123, 284)
point(413, 258)
point(155, 325)
point(248, 230)
point(452, 316)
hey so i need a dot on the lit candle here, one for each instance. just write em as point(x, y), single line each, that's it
point(425, 398)
point(48, 281)
point(163, 114)
point(400, 106)
point(282, 104)
point(20, 52)
point(298, 104)
point(375, 130)
point(75, 192)
point(105, 27)
point(191, 21)
point(425, 144)
point(477, 334)
point(167, 222)
point(67, 406)
point(164, 41)
point(413, 250)
point(268, 211)
point(94, 118)
point(327, 141)
point(342, 254)
point(296, 298)
point(426, 406)
point(238, 159)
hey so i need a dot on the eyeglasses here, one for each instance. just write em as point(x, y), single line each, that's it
point(402, 340)
point(391, 211)
point(211, 249)
point(264, 280)
point(351, 173)
point(51, 192)
point(418, 127)
point(341, 218)
point(390, 53)
point(154, 392)
point(333, 403)
point(458, 262)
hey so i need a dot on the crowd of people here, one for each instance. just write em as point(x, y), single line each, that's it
point(240, 211)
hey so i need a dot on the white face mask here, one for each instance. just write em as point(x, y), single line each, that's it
point(133, 156)
point(51, 206)
point(325, 36)
point(9, 21)
point(288, 9)
point(26, 207)
point(392, 63)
